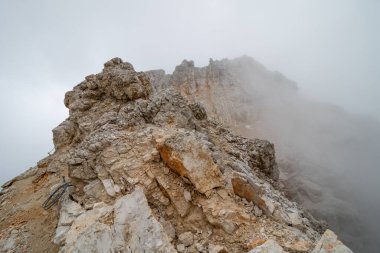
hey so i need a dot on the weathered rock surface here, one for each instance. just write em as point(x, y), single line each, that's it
point(190, 157)
point(151, 172)
point(128, 226)
point(329, 243)
point(269, 246)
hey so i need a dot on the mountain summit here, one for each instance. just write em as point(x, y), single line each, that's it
point(145, 163)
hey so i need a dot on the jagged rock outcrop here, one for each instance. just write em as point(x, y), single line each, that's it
point(150, 172)
point(315, 141)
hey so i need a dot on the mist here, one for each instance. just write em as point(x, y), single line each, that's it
point(328, 157)
point(326, 131)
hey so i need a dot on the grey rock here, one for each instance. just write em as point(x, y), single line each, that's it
point(329, 243)
point(70, 210)
point(270, 246)
point(186, 238)
point(216, 249)
point(105, 228)
point(189, 155)
point(181, 248)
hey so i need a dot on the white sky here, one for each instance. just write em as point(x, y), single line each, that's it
point(331, 48)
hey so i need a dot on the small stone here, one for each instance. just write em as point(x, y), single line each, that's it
point(329, 243)
point(278, 233)
point(169, 211)
point(222, 193)
point(302, 246)
point(164, 200)
point(216, 249)
point(147, 158)
point(169, 228)
point(192, 249)
point(187, 195)
point(253, 244)
point(199, 247)
point(258, 212)
point(14, 231)
point(181, 248)
point(186, 238)
point(269, 246)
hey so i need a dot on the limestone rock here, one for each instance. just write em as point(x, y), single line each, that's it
point(118, 228)
point(70, 210)
point(270, 246)
point(216, 249)
point(63, 134)
point(181, 248)
point(329, 243)
point(186, 238)
point(188, 155)
point(174, 191)
point(250, 192)
point(224, 213)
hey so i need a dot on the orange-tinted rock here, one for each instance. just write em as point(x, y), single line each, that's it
point(188, 155)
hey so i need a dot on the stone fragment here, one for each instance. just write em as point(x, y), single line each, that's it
point(199, 247)
point(109, 187)
point(270, 246)
point(63, 134)
point(226, 214)
point(187, 195)
point(216, 249)
point(250, 192)
point(170, 185)
point(329, 243)
point(258, 212)
point(186, 238)
point(180, 248)
point(301, 246)
point(262, 155)
point(253, 244)
point(169, 228)
point(70, 210)
point(187, 154)
point(105, 228)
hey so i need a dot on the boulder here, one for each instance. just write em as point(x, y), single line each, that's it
point(188, 155)
point(127, 226)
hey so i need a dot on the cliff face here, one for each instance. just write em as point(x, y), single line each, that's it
point(150, 169)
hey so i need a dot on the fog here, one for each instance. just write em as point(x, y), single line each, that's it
point(328, 157)
point(330, 48)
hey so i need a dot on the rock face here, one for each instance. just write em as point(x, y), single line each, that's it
point(152, 172)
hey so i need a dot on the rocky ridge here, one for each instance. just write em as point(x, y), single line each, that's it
point(315, 141)
point(153, 171)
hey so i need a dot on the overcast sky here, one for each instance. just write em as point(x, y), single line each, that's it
point(330, 48)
